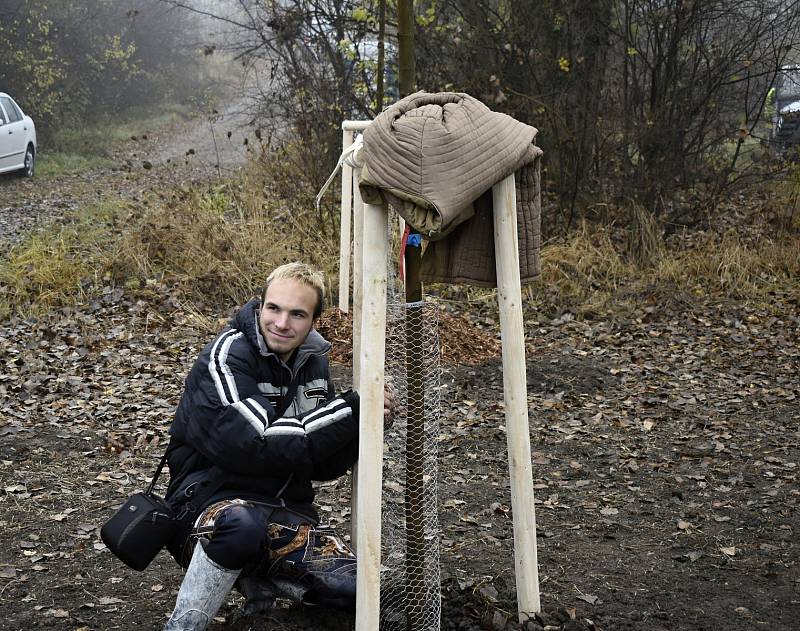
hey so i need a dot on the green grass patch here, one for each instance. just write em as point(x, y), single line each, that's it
point(53, 164)
point(92, 141)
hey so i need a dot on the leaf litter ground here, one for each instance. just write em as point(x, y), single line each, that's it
point(665, 451)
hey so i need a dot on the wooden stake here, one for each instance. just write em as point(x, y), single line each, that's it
point(509, 296)
point(346, 205)
point(358, 267)
point(344, 280)
point(370, 449)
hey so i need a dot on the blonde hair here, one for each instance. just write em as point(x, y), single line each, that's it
point(302, 273)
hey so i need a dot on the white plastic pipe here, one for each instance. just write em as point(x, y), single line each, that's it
point(375, 249)
point(344, 227)
point(509, 296)
point(346, 207)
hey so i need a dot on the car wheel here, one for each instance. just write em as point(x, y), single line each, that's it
point(30, 163)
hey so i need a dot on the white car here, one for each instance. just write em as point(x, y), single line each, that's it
point(17, 138)
point(785, 131)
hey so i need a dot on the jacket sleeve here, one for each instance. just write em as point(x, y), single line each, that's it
point(337, 464)
point(235, 426)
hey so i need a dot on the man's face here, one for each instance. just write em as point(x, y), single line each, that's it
point(287, 315)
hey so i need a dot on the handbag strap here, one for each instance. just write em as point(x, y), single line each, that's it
point(160, 466)
point(213, 488)
point(195, 501)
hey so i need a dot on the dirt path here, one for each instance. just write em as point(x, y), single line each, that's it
point(217, 141)
point(208, 146)
point(665, 455)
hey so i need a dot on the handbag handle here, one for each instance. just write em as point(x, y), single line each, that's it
point(152, 486)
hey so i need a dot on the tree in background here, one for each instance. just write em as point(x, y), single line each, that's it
point(71, 59)
point(32, 68)
point(311, 64)
point(544, 65)
point(635, 99)
point(691, 80)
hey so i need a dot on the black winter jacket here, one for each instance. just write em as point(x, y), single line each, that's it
point(270, 428)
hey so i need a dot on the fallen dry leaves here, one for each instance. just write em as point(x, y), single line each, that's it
point(665, 454)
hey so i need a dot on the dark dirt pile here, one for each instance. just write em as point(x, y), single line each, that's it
point(460, 341)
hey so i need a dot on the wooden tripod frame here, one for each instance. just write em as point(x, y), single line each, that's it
point(370, 258)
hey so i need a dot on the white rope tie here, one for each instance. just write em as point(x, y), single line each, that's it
point(351, 157)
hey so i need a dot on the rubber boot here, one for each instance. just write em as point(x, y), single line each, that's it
point(259, 593)
point(204, 588)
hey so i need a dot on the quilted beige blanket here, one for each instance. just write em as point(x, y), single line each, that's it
point(435, 157)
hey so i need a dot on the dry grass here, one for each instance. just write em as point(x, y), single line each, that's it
point(731, 266)
point(591, 273)
point(59, 264)
point(645, 237)
point(781, 207)
point(219, 244)
point(216, 245)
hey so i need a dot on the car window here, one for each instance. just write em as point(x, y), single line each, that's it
point(2, 116)
point(11, 111)
point(16, 109)
point(790, 87)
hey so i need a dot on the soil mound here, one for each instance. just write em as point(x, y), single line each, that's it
point(460, 341)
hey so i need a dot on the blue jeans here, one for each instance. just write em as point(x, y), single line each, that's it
point(274, 543)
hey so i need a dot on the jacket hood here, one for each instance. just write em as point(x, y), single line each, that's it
point(246, 321)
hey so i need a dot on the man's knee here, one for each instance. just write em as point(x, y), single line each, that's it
point(239, 538)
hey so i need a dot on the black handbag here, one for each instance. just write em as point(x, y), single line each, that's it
point(141, 526)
